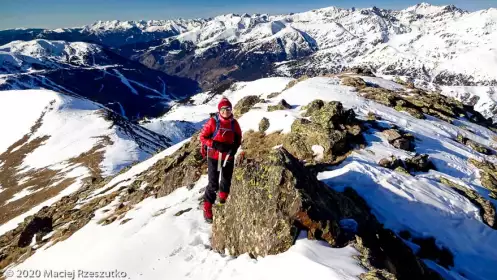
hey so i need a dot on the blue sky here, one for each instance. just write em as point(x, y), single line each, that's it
point(69, 13)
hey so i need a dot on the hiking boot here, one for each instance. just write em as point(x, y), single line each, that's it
point(222, 197)
point(208, 212)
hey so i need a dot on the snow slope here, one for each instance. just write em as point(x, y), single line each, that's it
point(157, 243)
point(73, 138)
point(74, 126)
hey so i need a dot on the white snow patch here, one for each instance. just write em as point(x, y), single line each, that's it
point(318, 152)
point(12, 224)
point(21, 194)
point(152, 245)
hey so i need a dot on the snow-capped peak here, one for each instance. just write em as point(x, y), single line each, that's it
point(45, 48)
point(428, 9)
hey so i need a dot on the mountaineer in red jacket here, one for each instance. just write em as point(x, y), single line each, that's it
point(221, 137)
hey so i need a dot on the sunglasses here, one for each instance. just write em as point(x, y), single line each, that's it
point(226, 109)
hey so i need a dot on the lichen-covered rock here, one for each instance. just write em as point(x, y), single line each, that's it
point(330, 126)
point(274, 198)
point(488, 174)
point(267, 198)
point(273, 95)
point(487, 209)
point(380, 95)
point(417, 103)
point(354, 82)
point(473, 145)
point(263, 124)
point(245, 104)
point(418, 163)
point(401, 169)
point(312, 107)
point(282, 105)
point(183, 168)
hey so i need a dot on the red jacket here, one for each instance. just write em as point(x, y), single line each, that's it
point(224, 134)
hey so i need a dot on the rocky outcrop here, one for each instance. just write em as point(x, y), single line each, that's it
point(418, 163)
point(282, 105)
point(333, 129)
point(418, 102)
point(487, 209)
point(488, 175)
point(245, 104)
point(360, 71)
point(183, 168)
point(330, 126)
point(273, 95)
point(473, 145)
point(354, 82)
point(276, 197)
point(399, 140)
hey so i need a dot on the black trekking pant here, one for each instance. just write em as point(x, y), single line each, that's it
point(213, 186)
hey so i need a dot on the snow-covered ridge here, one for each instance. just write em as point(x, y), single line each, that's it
point(179, 246)
point(54, 142)
point(177, 26)
point(40, 51)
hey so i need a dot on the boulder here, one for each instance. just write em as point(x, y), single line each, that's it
point(419, 163)
point(399, 140)
point(392, 134)
point(276, 197)
point(282, 105)
point(263, 125)
point(312, 107)
point(354, 82)
point(392, 163)
point(329, 126)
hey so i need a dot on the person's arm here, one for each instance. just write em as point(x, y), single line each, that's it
point(206, 132)
point(238, 138)
point(238, 133)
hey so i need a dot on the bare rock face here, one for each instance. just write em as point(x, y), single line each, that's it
point(274, 198)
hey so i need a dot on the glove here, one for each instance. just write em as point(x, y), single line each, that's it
point(222, 147)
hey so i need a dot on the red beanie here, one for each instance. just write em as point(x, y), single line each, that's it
point(223, 103)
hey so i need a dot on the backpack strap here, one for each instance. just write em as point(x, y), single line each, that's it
point(216, 118)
